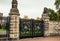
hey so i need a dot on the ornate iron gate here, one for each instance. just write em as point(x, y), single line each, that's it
point(31, 28)
point(25, 28)
point(38, 29)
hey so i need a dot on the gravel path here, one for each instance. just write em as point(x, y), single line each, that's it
point(55, 38)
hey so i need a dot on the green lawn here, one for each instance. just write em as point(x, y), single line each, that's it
point(2, 30)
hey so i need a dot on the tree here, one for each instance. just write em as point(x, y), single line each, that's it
point(52, 14)
point(57, 3)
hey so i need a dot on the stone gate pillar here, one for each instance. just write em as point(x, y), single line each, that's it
point(14, 21)
point(45, 18)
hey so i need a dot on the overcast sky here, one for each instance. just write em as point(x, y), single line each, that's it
point(31, 8)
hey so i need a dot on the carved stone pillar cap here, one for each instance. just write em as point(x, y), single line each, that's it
point(14, 10)
point(14, 13)
point(45, 11)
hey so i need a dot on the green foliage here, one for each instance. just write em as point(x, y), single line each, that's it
point(52, 14)
point(3, 26)
point(2, 29)
point(57, 3)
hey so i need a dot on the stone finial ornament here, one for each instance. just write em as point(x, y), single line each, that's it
point(14, 10)
point(45, 10)
point(14, 3)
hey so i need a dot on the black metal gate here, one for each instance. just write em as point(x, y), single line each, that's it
point(31, 28)
point(38, 28)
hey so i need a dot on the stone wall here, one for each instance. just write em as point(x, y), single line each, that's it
point(54, 28)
